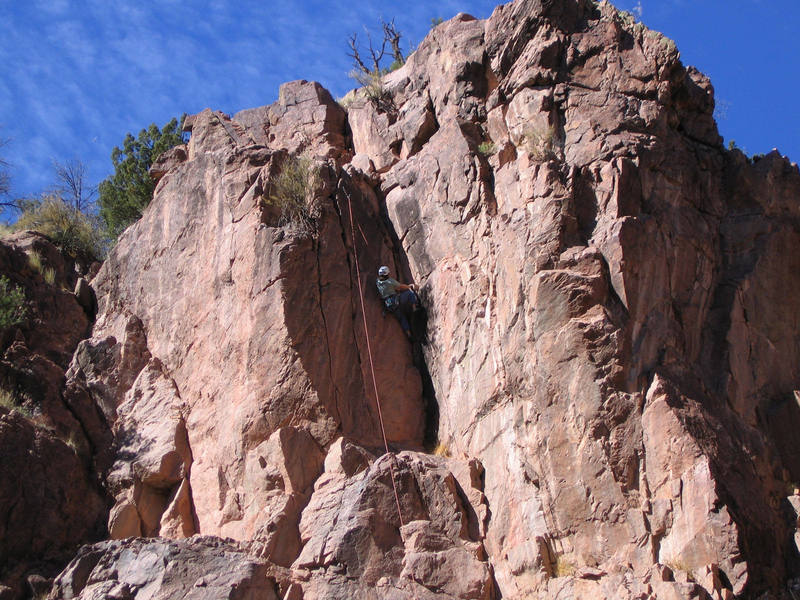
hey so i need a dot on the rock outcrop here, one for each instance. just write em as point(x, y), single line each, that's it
point(425, 543)
point(50, 499)
point(608, 334)
point(202, 567)
point(236, 342)
point(610, 354)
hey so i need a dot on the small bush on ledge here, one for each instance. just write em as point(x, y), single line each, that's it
point(441, 449)
point(10, 402)
point(372, 85)
point(77, 234)
point(542, 143)
point(487, 148)
point(293, 193)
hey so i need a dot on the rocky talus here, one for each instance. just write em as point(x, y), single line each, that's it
point(609, 358)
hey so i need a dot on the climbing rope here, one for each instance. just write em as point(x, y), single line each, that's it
point(369, 353)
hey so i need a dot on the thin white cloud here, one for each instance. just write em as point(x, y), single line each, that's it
point(74, 76)
point(52, 7)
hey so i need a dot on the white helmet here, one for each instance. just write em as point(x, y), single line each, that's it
point(383, 271)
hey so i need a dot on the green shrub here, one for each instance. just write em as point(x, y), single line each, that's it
point(487, 148)
point(126, 193)
point(77, 234)
point(12, 304)
point(292, 191)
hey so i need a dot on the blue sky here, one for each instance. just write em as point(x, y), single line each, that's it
point(77, 75)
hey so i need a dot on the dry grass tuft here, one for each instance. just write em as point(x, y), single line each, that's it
point(542, 143)
point(35, 261)
point(441, 450)
point(10, 402)
point(563, 567)
point(293, 191)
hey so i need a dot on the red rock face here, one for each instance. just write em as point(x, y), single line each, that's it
point(235, 343)
point(602, 284)
point(611, 346)
point(50, 500)
point(162, 569)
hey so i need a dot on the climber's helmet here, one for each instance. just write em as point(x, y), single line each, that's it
point(383, 272)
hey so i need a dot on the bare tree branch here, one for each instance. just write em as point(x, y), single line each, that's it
point(5, 179)
point(377, 57)
point(355, 55)
point(72, 183)
point(392, 35)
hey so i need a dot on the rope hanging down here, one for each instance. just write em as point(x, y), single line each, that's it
point(369, 353)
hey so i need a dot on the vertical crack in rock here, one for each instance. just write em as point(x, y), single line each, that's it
point(348, 248)
point(419, 325)
point(334, 384)
point(376, 229)
point(431, 437)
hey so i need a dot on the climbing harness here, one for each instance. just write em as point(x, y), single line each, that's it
point(369, 353)
point(391, 303)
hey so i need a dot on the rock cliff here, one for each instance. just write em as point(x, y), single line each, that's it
point(51, 498)
point(609, 357)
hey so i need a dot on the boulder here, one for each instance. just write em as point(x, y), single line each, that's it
point(426, 540)
point(201, 567)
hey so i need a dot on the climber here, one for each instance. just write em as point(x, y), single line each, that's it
point(398, 298)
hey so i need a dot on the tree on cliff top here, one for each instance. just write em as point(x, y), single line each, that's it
point(65, 213)
point(368, 72)
point(125, 194)
point(5, 180)
point(73, 186)
point(391, 36)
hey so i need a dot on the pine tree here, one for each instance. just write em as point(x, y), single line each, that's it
point(126, 193)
